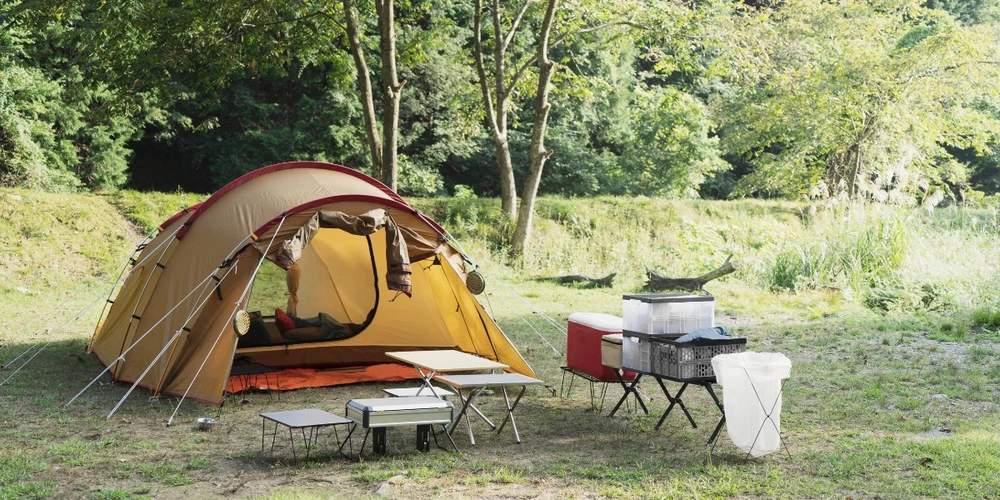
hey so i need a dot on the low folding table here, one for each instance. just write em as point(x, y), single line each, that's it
point(312, 419)
point(476, 384)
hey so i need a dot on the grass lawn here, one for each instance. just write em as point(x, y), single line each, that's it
point(874, 408)
point(880, 404)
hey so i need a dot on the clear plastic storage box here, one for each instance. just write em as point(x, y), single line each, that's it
point(669, 313)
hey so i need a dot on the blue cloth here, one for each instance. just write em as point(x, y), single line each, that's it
point(714, 333)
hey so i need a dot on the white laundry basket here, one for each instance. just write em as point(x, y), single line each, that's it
point(751, 384)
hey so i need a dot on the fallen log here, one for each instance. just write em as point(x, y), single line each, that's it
point(589, 282)
point(657, 283)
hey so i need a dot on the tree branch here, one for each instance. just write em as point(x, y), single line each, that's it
point(481, 66)
point(534, 59)
point(513, 26)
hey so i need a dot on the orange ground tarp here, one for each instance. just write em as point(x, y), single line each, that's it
point(298, 378)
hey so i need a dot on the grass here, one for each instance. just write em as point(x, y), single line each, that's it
point(894, 399)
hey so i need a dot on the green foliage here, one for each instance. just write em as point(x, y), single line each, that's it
point(149, 210)
point(968, 11)
point(856, 99)
point(988, 316)
point(670, 152)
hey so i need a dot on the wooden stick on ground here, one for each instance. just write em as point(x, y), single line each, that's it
point(604, 282)
point(656, 282)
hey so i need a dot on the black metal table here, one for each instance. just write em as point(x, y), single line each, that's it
point(675, 400)
point(312, 419)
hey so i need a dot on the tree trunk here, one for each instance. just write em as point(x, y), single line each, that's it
point(393, 91)
point(522, 232)
point(496, 109)
point(372, 135)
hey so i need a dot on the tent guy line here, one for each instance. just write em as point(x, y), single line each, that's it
point(552, 322)
point(243, 297)
point(121, 278)
point(121, 356)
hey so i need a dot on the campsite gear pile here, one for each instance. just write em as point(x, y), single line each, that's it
point(170, 326)
point(653, 325)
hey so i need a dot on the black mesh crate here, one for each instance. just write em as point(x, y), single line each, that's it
point(690, 360)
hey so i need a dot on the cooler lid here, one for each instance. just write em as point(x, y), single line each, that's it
point(614, 338)
point(597, 321)
point(669, 297)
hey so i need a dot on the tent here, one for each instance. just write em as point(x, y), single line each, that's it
point(170, 327)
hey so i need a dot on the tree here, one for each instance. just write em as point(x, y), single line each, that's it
point(582, 18)
point(538, 153)
point(855, 99)
point(384, 146)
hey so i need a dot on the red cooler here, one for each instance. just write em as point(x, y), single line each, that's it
point(583, 344)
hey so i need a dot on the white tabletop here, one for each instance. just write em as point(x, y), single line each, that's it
point(444, 361)
point(487, 380)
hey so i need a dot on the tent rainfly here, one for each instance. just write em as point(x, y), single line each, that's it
point(170, 326)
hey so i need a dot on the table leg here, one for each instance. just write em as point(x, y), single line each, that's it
point(273, 436)
point(424, 437)
point(510, 412)
point(350, 432)
point(291, 437)
point(674, 400)
point(630, 389)
point(722, 421)
point(466, 403)
point(426, 377)
point(378, 440)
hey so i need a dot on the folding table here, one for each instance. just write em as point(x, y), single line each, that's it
point(431, 363)
point(249, 373)
point(443, 361)
point(476, 384)
point(675, 400)
point(312, 419)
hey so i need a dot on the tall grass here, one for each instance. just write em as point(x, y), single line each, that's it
point(885, 258)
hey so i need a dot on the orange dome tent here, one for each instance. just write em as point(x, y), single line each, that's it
point(170, 325)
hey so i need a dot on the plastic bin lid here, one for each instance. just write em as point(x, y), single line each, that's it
point(648, 336)
point(597, 321)
point(669, 297)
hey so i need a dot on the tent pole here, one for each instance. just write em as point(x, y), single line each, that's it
point(121, 356)
point(148, 368)
point(243, 296)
